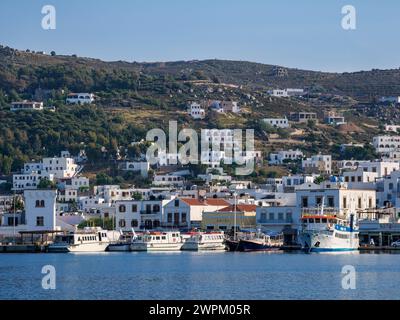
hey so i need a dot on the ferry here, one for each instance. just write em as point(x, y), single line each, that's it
point(326, 232)
point(86, 240)
point(205, 241)
point(158, 241)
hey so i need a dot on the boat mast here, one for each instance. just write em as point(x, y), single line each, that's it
point(234, 217)
point(14, 218)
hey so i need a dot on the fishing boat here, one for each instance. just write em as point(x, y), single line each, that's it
point(87, 240)
point(323, 231)
point(123, 244)
point(158, 241)
point(260, 241)
point(205, 241)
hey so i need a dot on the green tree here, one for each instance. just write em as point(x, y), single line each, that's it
point(45, 183)
point(103, 179)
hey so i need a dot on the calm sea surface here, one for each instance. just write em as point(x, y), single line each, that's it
point(186, 275)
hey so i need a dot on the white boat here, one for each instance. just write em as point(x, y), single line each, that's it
point(158, 241)
point(326, 232)
point(201, 241)
point(123, 244)
point(86, 240)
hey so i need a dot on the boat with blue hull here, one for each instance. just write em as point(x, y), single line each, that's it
point(328, 232)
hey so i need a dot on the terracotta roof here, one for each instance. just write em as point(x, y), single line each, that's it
point(217, 202)
point(207, 202)
point(192, 202)
point(239, 207)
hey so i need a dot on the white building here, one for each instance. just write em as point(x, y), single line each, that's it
point(196, 111)
point(277, 122)
point(39, 215)
point(344, 165)
point(230, 106)
point(337, 198)
point(285, 155)
point(80, 98)
point(188, 212)
point(392, 128)
point(60, 167)
point(142, 167)
point(386, 143)
point(26, 105)
point(333, 118)
point(30, 180)
point(388, 190)
point(289, 92)
point(382, 168)
point(168, 180)
point(318, 164)
point(360, 178)
point(143, 214)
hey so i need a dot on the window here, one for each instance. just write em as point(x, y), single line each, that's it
point(134, 208)
point(359, 202)
point(369, 202)
point(271, 216)
point(176, 218)
point(156, 208)
point(318, 200)
point(134, 223)
point(169, 218)
point(176, 203)
point(331, 202)
point(122, 223)
point(304, 202)
point(183, 218)
point(263, 216)
point(280, 216)
point(39, 221)
point(39, 204)
point(345, 202)
point(148, 208)
point(122, 208)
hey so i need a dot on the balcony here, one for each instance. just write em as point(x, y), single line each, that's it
point(149, 212)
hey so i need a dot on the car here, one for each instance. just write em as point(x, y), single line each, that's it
point(396, 243)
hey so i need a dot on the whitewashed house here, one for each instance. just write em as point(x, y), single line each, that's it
point(196, 111)
point(278, 158)
point(80, 98)
point(386, 143)
point(26, 105)
point(39, 215)
point(277, 122)
point(142, 167)
point(318, 164)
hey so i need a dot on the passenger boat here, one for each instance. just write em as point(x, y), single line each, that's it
point(158, 241)
point(86, 240)
point(328, 232)
point(202, 241)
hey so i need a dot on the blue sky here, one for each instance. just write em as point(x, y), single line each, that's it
point(305, 34)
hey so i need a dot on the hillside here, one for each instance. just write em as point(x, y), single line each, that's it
point(26, 71)
point(136, 97)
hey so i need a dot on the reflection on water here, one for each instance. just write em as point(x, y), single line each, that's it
point(193, 275)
